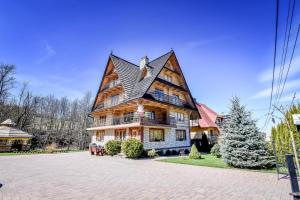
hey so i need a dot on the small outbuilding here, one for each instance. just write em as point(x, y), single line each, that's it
point(13, 139)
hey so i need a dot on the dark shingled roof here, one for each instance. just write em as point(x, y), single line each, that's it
point(127, 72)
point(130, 75)
point(154, 67)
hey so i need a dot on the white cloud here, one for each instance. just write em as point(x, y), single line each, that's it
point(268, 74)
point(49, 52)
point(290, 85)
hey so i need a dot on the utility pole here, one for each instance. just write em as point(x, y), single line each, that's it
point(283, 112)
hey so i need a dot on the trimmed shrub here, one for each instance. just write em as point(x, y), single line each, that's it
point(168, 153)
point(194, 154)
point(215, 150)
point(152, 153)
point(113, 147)
point(186, 151)
point(132, 148)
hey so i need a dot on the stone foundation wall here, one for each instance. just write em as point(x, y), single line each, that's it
point(170, 139)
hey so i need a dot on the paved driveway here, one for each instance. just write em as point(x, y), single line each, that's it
point(81, 176)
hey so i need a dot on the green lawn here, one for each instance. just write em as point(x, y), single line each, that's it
point(207, 160)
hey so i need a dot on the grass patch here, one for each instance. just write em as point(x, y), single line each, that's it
point(36, 152)
point(208, 160)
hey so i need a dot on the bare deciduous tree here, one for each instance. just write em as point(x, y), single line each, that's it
point(49, 119)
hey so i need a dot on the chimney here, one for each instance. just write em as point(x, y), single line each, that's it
point(144, 61)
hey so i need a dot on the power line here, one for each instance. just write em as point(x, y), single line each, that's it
point(274, 63)
point(284, 50)
point(286, 47)
point(294, 47)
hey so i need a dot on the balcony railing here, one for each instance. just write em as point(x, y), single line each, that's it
point(111, 84)
point(194, 123)
point(135, 118)
point(109, 104)
point(167, 98)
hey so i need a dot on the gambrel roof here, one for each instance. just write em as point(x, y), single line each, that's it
point(135, 86)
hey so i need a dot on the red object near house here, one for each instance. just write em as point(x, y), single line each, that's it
point(97, 150)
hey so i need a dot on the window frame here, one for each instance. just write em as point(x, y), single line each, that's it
point(152, 138)
point(100, 135)
point(178, 137)
point(179, 116)
point(114, 99)
point(149, 115)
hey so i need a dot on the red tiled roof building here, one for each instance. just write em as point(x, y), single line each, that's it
point(209, 124)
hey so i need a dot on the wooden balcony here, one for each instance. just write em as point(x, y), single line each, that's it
point(167, 98)
point(109, 104)
point(133, 120)
point(111, 84)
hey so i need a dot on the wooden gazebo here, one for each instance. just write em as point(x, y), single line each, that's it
point(12, 139)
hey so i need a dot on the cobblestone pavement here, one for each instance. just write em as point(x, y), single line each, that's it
point(81, 176)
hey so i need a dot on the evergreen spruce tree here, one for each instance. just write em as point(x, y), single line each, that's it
point(242, 145)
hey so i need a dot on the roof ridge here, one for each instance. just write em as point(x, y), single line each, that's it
point(112, 55)
point(161, 56)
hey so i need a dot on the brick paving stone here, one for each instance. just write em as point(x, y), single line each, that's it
point(78, 175)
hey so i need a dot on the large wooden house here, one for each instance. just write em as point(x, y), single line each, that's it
point(150, 102)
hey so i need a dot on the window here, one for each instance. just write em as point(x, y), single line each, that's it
point(219, 121)
point(179, 116)
point(168, 78)
point(156, 135)
point(149, 115)
point(100, 135)
point(159, 94)
point(114, 100)
point(175, 99)
point(180, 135)
point(120, 134)
point(128, 117)
point(102, 120)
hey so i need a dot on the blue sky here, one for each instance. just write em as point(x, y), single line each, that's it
point(225, 48)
